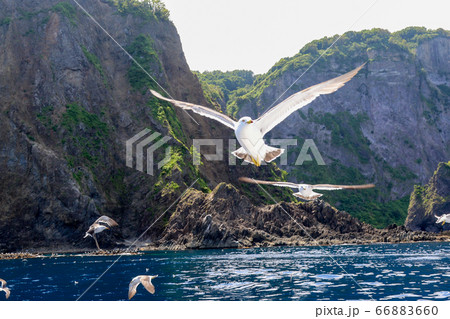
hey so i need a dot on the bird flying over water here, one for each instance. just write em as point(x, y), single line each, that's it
point(4, 288)
point(146, 281)
point(306, 191)
point(250, 132)
point(443, 219)
point(100, 225)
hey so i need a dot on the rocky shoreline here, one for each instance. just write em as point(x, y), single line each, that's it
point(225, 218)
point(413, 238)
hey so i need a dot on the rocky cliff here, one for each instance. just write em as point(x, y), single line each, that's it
point(429, 201)
point(69, 99)
point(389, 125)
point(227, 219)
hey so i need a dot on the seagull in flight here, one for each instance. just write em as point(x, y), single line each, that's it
point(443, 219)
point(4, 288)
point(146, 281)
point(306, 191)
point(250, 132)
point(100, 225)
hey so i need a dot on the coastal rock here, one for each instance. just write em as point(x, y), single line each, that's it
point(430, 200)
point(68, 104)
point(227, 219)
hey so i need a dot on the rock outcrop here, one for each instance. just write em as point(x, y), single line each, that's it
point(389, 125)
point(227, 219)
point(429, 201)
point(69, 100)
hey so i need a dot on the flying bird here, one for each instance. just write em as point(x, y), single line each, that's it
point(250, 132)
point(146, 281)
point(306, 191)
point(443, 219)
point(100, 225)
point(4, 288)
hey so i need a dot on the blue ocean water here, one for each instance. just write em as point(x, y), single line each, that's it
point(419, 271)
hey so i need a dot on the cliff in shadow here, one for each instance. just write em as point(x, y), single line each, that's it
point(70, 98)
point(430, 200)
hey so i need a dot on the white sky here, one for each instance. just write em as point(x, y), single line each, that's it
point(254, 34)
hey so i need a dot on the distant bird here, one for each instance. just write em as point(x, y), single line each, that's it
point(443, 219)
point(4, 288)
point(100, 225)
point(146, 281)
point(250, 132)
point(305, 191)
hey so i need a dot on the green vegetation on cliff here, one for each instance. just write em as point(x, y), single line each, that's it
point(92, 58)
point(349, 131)
point(147, 9)
point(144, 53)
point(346, 53)
point(66, 9)
point(219, 87)
point(363, 204)
point(427, 196)
point(430, 200)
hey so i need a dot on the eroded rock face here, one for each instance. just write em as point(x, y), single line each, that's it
point(67, 106)
point(398, 105)
point(226, 219)
point(429, 201)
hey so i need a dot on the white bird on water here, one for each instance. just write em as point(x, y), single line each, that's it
point(250, 132)
point(4, 288)
point(100, 225)
point(146, 281)
point(443, 219)
point(306, 191)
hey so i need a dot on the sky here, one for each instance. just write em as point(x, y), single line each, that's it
point(254, 34)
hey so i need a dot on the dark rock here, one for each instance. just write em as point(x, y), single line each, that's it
point(232, 221)
point(429, 201)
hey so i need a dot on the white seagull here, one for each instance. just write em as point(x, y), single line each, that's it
point(250, 132)
point(98, 226)
point(305, 191)
point(443, 219)
point(146, 281)
point(4, 288)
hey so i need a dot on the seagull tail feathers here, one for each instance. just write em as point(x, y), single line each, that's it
point(272, 153)
point(314, 195)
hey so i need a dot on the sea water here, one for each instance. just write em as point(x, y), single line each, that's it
point(419, 271)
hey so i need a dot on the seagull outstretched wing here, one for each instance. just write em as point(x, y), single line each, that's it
point(296, 101)
point(146, 281)
point(106, 220)
point(202, 110)
point(255, 181)
point(337, 187)
point(7, 291)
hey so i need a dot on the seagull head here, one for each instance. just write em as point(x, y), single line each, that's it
point(245, 120)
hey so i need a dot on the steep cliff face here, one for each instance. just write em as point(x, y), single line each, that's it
point(429, 201)
point(389, 125)
point(69, 99)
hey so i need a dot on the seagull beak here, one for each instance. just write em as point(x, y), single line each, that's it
point(249, 122)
